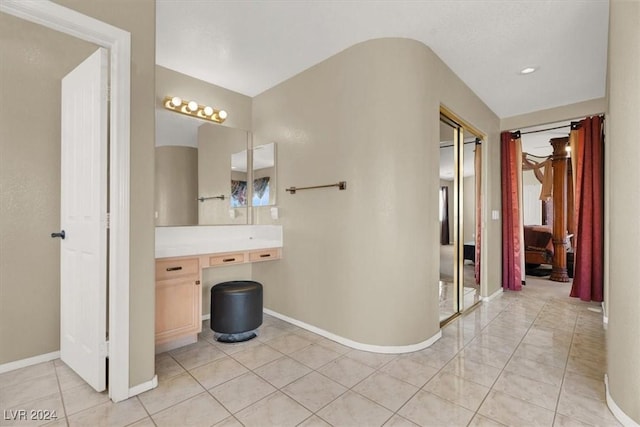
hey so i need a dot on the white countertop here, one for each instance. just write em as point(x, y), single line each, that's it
point(210, 239)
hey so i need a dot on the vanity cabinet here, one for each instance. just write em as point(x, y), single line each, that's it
point(179, 292)
point(178, 298)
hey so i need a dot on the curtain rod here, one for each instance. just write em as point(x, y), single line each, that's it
point(573, 125)
point(544, 130)
point(476, 141)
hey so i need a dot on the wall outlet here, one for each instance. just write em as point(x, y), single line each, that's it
point(495, 214)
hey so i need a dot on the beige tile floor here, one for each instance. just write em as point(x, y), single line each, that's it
point(526, 358)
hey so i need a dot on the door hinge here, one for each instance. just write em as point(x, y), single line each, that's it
point(108, 221)
point(104, 349)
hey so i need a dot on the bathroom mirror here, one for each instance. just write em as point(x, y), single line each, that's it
point(264, 175)
point(196, 165)
point(218, 146)
point(239, 178)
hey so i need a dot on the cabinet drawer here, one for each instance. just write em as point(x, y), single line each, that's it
point(233, 258)
point(170, 268)
point(264, 255)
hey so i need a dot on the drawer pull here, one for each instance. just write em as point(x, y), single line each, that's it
point(174, 268)
point(265, 255)
point(228, 259)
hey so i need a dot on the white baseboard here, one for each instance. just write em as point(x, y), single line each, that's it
point(146, 386)
point(390, 349)
point(492, 296)
point(206, 317)
point(624, 419)
point(23, 363)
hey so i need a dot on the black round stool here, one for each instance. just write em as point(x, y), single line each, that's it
point(236, 310)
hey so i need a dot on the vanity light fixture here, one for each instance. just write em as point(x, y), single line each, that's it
point(193, 109)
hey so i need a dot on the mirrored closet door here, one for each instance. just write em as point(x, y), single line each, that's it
point(459, 214)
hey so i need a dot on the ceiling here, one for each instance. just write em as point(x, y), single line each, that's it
point(250, 46)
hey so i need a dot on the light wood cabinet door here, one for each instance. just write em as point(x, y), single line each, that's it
point(178, 299)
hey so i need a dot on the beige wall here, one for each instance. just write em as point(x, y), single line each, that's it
point(363, 263)
point(139, 19)
point(176, 189)
point(531, 203)
point(623, 158)
point(33, 61)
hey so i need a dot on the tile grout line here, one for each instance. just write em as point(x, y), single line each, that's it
point(564, 372)
point(378, 369)
point(440, 370)
point(64, 407)
point(208, 391)
point(476, 412)
point(145, 410)
point(187, 371)
point(502, 370)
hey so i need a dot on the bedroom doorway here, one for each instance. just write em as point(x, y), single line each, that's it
point(459, 215)
point(537, 204)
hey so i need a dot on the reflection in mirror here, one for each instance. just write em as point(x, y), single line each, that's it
point(264, 175)
point(176, 171)
point(239, 179)
point(194, 161)
point(219, 174)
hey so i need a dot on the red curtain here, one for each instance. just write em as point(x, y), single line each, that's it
point(589, 209)
point(444, 216)
point(511, 158)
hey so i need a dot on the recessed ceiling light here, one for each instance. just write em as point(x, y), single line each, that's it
point(528, 70)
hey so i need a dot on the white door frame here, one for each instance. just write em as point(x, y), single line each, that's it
point(118, 42)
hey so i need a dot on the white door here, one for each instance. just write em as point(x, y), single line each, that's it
point(83, 254)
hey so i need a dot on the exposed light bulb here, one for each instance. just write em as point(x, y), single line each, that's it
point(192, 108)
point(527, 70)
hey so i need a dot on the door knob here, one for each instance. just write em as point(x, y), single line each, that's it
point(60, 235)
